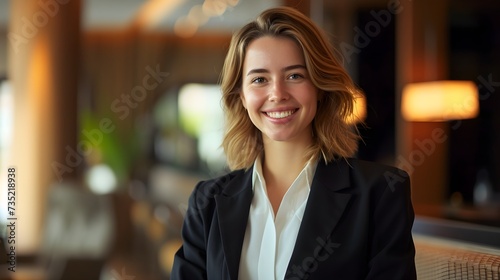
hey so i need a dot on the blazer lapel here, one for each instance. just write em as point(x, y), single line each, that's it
point(324, 209)
point(233, 206)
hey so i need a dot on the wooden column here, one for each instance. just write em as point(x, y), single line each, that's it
point(422, 148)
point(44, 40)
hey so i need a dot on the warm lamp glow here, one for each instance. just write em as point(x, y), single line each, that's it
point(359, 110)
point(153, 11)
point(440, 101)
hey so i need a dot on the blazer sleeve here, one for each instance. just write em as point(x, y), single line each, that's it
point(392, 252)
point(190, 259)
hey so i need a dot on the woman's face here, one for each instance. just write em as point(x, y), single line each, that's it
point(277, 92)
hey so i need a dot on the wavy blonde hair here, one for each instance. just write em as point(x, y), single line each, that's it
point(333, 136)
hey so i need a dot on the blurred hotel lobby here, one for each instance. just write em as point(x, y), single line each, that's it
point(110, 114)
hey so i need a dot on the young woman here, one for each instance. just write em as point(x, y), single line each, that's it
point(296, 205)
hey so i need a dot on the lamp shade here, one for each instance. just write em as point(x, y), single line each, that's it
point(440, 101)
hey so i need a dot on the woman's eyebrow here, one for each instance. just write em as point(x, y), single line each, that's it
point(258, 70)
point(291, 67)
point(288, 68)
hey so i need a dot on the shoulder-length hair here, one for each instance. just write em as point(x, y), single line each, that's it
point(333, 135)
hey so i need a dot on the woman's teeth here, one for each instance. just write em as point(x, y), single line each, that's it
point(280, 115)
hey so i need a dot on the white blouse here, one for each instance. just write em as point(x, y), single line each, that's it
point(269, 240)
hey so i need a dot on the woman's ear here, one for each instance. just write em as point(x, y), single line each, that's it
point(243, 101)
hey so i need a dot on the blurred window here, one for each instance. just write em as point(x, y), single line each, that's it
point(191, 124)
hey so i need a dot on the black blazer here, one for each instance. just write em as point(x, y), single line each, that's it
point(356, 225)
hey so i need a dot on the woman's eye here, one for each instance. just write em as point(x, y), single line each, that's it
point(295, 76)
point(258, 80)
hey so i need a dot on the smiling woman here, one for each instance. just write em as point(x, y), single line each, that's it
point(323, 70)
point(296, 205)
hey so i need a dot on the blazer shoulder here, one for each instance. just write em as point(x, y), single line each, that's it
point(203, 195)
point(379, 175)
point(222, 179)
point(221, 184)
point(369, 168)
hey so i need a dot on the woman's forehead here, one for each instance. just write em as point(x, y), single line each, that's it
point(272, 53)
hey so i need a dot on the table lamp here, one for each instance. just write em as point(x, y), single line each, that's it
point(440, 101)
point(427, 105)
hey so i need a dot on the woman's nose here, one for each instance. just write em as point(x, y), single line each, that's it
point(278, 92)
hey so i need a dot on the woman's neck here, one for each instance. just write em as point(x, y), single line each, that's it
point(283, 161)
point(281, 164)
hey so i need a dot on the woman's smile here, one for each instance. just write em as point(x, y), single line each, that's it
point(280, 114)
